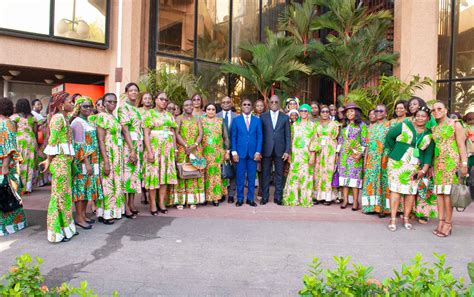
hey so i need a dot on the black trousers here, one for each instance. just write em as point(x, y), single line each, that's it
point(267, 163)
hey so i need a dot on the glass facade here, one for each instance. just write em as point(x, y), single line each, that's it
point(83, 21)
point(456, 54)
point(198, 35)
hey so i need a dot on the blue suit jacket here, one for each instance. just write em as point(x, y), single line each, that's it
point(246, 143)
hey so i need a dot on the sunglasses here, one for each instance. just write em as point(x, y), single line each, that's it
point(438, 109)
point(86, 106)
point(379, 110)
point(324, 111)
point(273, 102)
point(303, 110)
point(164, 99)
point(111, 101)
point(246, 104)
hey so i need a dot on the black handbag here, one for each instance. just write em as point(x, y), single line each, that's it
point(227, 170)
point(9, 199)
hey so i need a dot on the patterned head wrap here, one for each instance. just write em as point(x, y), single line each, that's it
point(296, 99)
point(79, 101)
point(293, 111)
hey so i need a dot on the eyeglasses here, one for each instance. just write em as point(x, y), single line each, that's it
point(325, 111)
point(164, 99)
point(303, 110)
point(379, 110)
point(246, 104)
point(86, 106)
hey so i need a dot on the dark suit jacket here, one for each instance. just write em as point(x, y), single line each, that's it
point(246, 143)
point(278, 139)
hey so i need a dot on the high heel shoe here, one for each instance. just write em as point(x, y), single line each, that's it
point(132, 216)
point(154, 213)
point(135, 212)
point(393, 225)
point(436, 231)
point(163, 211)
point(442, 234)
point(344, 205)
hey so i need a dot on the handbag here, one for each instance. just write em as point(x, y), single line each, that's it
point(9, 199)
point(227, 170)
point(335, 179)
point(188, 171)
point(461, 195)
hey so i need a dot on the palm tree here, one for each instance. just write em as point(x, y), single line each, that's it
point(272, 63)
point(297, 19)
point(357, 50)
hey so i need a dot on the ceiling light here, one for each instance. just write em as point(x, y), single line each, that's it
point(14, 72)
point(7, 77)
point(59, 76)
point(48, 81)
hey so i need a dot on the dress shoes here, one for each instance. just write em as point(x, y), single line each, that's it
point(279, 202)
point(263, 202)
point(239, 203)
point(252, 203)
point(231, 199)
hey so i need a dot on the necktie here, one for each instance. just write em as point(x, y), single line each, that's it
point(226, 119)
point(247, 122)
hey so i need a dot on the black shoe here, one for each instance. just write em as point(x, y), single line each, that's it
point(315, 202)
point(90, 221)
point(108, 222)
point(263, 202)
point(222, 199)
point(163, 211)
point(231, 199)
point(65, 239)
point(239, 203)
point(327, 203)
point(355, 209)
point(382, 215)
point(252, 203)
point(132, 216)
point(84, 227)
point(135, 212)
point(100, 219)
point(215, 203)
point(279, 202)
point(154, 213)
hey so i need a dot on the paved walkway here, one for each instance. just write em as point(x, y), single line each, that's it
point(229, 251)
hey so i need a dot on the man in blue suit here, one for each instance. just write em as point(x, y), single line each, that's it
point(246, 135)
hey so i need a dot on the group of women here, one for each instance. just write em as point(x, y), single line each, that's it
point(414, 158)
point(106, 155)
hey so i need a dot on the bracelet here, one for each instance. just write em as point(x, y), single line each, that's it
point(464, 163)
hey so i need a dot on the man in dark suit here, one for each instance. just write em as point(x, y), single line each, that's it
point(246, 135)
point(228, 115)
point(275, 150)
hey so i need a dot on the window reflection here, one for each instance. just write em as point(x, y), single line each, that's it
point(25, 15)
point(80, 19)
point(463, 96)
point(245, 24)
point(213, 29)
point(213, 81)
point(444, 38)
point(271, 9)
point(176, 26)
point(464, 39)
point(174, 65)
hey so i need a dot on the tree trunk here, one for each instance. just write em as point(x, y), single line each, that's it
point(346, 90)
point(334, 92)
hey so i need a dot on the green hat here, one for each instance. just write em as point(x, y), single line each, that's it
point(305, 107)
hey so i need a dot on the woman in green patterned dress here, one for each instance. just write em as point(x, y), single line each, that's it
point(410, 149)
point(215, 144)
point(160, 152)
point(60, 152)
point(196, 100)
point(109, 133)
point(450, 157)
point(13, 221)
point(26, 128)
point(86, 185)
point(129, 117)
point(324, 147)
point(375, 189)
point(299, 183)
point(145, 104)
point(188, 137)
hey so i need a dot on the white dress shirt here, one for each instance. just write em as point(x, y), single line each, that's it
point(274, 115)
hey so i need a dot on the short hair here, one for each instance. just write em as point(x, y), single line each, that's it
point(315, 102)
point(244, 100)
point(107, 95)
point(74, 97)
point(6, 107)
point(209, 104)
point(468, 116)
point(131, 84)
point(33, 102)
point(23, 106)
point(421, 102)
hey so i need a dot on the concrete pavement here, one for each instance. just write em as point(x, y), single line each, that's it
point(226, 250)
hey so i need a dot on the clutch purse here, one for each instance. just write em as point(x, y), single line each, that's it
point(9, 199)
point(188, 171)
point(335, 179)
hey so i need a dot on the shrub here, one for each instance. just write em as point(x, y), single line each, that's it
point(25, 279)
point(419, 278)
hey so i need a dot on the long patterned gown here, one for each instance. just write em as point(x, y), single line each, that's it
point(352, 139)
point(375, 189)
point(144, 114)
point(299, 183)
point(60, 222)
point(447, 158)
point(25, 137)
point(163, 170)
point(13, 221)
point(129, 115)
point(113, 204)
point(324, 145)
point(85, 187)
point(214, 143)
point(188, 191)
